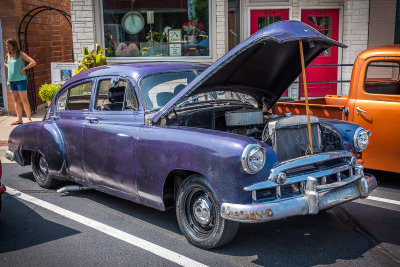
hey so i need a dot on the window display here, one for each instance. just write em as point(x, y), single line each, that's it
point(141, 28)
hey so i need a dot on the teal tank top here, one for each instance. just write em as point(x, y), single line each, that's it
point(15, 67)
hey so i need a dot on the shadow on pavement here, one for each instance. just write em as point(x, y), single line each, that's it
point(21, 227)
point(298, 241)
point(326, 238)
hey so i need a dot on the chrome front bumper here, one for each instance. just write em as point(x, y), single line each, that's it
point(309, 203)
point(10, 155)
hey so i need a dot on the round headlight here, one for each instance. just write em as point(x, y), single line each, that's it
point(253, 158)
point(361, 139)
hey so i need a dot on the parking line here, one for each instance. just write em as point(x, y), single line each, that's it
point(111, 231)
point(385, 200)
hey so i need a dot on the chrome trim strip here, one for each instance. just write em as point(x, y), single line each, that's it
point(308, 160)
point(311, 203)
point(269, 184)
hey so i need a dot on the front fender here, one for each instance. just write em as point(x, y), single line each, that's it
point(345, 130)
point(215, 155)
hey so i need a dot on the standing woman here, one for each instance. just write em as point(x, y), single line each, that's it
point(15, 62)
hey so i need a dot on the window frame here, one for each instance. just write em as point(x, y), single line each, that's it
point(67, 89)
point(96, 91)
point(99, 16)
point(377, 96)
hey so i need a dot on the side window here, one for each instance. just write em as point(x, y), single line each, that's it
point(121, 97)
point(382, 78)
point(79, 96)
point(62, 101)
point(75, 98)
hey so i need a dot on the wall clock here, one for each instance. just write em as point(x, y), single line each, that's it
point(132, 22)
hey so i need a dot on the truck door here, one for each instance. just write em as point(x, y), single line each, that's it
point(377, 109)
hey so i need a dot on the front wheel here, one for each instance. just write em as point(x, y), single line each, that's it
point(198, 215)
point(40, 170)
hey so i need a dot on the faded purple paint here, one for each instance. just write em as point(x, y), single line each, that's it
point(122, 156)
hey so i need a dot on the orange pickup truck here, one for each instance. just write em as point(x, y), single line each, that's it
point(373, 103)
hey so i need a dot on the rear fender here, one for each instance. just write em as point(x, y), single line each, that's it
point(51, 145)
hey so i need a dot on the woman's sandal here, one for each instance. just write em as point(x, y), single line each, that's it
point(17, 123)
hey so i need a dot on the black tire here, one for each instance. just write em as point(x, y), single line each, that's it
point(41, 171)
point(205, 228)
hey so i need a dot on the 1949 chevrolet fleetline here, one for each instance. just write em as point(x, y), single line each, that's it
point(199, 138)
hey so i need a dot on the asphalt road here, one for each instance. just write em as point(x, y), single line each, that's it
point(361, 233)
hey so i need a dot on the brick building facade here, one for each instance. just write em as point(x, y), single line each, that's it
point(49, 38)
point(361, 24)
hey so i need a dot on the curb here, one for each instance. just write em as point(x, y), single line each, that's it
point(3, 143)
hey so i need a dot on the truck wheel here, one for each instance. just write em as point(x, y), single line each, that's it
point(41, 171)
point(198, 215)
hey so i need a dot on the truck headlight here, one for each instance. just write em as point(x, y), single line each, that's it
point(361, 139)
point(253, 158)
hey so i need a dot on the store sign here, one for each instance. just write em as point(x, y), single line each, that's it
point(175, 50)
point(175, 42)
point(62, 71)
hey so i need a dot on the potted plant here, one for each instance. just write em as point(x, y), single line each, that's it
point(90, 60)
point(47, 91)
point(191, 30)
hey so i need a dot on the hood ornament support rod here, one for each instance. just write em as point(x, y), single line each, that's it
point(306, 95)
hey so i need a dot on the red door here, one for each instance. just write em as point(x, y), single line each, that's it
point(261, 18)
point(326, 21)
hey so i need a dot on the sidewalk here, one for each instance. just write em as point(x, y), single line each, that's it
point(6, 127)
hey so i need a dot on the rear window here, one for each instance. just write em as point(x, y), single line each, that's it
point(382, 78)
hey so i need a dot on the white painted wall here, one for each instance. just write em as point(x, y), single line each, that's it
point(83, 26)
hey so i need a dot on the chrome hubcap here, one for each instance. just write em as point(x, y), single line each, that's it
point(43, 165)
point(202, 210)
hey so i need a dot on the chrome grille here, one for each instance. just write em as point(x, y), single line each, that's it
point(331, 170)
point(297, 189)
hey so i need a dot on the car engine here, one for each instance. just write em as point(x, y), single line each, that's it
point(286, 134)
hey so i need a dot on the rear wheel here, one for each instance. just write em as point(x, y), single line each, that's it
point(40, 170)
point(198, 215)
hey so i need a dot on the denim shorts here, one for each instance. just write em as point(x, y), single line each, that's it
point(19, 86)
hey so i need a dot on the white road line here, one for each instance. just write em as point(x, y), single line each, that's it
point(131, 239)
point(385, 200)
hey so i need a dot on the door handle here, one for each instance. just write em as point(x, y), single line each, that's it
point(92, 119)
point(55, 117)
point(361, 110)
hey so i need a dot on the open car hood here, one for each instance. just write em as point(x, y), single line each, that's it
point(263, 66)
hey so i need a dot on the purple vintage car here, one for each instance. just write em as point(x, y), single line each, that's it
point(200, 138)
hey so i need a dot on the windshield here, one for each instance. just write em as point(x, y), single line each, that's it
point(160, 88)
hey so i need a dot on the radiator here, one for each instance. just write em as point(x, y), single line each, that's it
point(288, 136)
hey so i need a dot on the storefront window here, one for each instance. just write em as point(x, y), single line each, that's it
point(142, 28)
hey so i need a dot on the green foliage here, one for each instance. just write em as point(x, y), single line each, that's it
point(48, 91)
point(90, 60)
